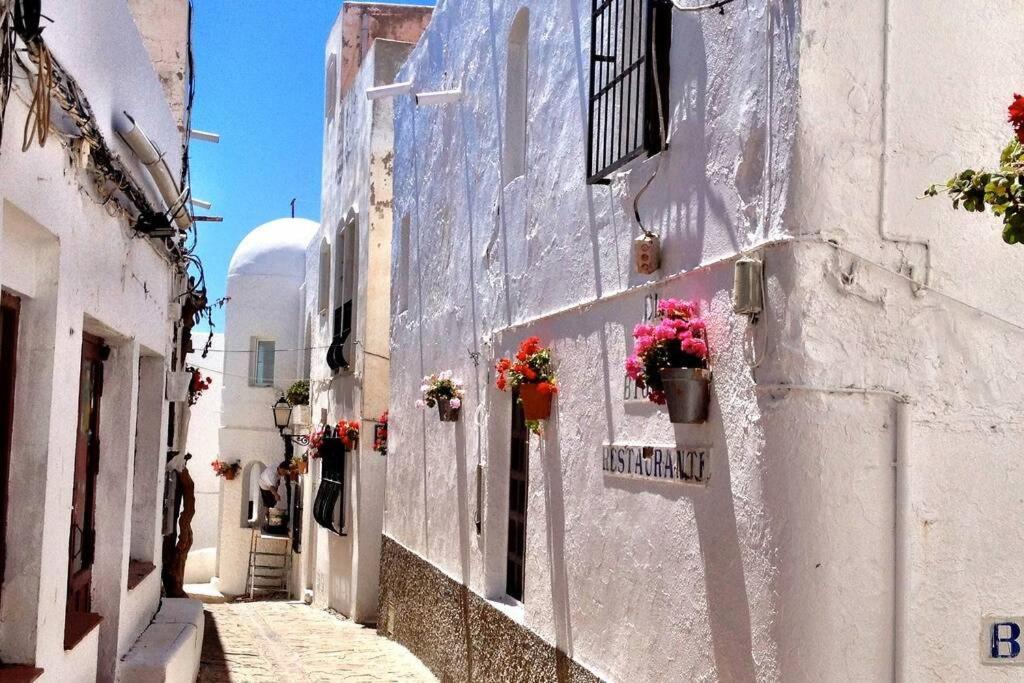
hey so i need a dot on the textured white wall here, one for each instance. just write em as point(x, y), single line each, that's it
point(204, 445)
point(77, 268)
point(784, 567)
point(264, 284)
point(356, 181)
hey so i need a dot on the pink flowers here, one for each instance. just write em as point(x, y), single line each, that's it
point(679, 340)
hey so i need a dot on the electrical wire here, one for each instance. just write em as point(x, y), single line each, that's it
point(37, 122)
point(719, 5)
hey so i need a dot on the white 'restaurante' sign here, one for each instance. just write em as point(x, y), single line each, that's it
point(676, 464)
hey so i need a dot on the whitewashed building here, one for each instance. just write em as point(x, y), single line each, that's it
point(856, 518)
point(262, 359)
point(96, 313)
point(347, 302)
point(204, 446)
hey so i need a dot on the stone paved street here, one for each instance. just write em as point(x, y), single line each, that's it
point(290, 641)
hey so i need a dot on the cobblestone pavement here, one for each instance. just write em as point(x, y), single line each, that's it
point(290, 641)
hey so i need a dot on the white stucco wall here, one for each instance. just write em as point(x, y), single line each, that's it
point(78, 269)
point(264, 282)
point(204, 445)
point(785, 566)
point(342, 571)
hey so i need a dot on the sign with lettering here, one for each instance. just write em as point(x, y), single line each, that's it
point(1001, 640)
point(630, 391)
point(673, 464)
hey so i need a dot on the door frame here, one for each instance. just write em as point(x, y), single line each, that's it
point(10, 318)
point(87, 456)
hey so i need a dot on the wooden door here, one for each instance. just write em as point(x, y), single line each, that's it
point(87, 459)
point(10, 309)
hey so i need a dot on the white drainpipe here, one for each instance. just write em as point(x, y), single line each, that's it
point(153, 160)
point(903, 522)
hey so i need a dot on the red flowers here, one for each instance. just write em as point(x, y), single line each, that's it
point(380, 434)
point(348, 432)
point(224, 469)
point(1017, 116)
point(197, 385)
point(532, 365)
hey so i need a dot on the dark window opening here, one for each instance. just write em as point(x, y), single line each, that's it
point(629, 39)
point(10, 309)
point(518, 482)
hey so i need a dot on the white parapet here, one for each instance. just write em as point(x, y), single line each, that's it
point(170, 647)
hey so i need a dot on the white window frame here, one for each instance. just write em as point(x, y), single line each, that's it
point(255, 380)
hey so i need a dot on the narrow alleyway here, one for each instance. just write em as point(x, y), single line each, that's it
point(290, 641)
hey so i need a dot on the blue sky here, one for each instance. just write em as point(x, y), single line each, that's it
point(259, 83)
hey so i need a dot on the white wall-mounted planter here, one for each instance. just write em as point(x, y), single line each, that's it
point(176, 388)
point(300, 417)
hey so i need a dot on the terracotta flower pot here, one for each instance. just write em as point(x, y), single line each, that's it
point(536, 405)
point(687, 393)
point(229, 475)
point(446, 412)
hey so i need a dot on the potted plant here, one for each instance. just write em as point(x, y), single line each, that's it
point(197, 384)
point(380, 434)
point(298, 398)
point(443, 391)
point(532, 374)
point(1001, 190)
point(348, 433)
point(670, 360)
point(225, 469)
point(300, 465)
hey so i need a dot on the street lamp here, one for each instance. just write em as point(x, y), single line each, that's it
point(282, 418)
point(282, 413)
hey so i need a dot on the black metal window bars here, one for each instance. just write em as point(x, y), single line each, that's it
point(624, 51)
point(329, 505)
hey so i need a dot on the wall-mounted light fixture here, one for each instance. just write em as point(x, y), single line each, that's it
point(747, 286)
point(393, 90)
point(427, 99)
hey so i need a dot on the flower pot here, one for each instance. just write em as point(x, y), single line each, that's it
point(687, 393)
point(176, 387)
point(536, 405)
point(300, 417)
point(229, 475)
point(446, 412)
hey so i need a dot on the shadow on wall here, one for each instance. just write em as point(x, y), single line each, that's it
point(554, 507)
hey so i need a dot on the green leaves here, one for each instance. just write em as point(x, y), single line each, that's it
point(1000, 191)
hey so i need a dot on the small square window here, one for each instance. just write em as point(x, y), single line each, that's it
point(262, 373)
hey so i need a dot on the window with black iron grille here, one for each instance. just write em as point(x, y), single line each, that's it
point(329, 505)
point(518, 482)
point(629, 39)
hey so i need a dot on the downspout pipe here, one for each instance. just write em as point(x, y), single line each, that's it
point(151, 157)
point(903, 531)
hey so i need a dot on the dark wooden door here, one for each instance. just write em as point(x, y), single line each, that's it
point(87, 459)
point(518, 485)
point(10, 309)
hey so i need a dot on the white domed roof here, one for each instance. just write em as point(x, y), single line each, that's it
point(274, 248)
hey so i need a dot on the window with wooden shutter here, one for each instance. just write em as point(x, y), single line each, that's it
point(629, 68)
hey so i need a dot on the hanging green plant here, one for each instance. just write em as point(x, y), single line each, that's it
point(1001, 191)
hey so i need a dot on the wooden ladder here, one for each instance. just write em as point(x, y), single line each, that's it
point(270, 563)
